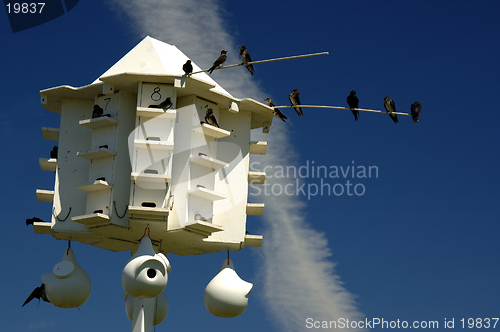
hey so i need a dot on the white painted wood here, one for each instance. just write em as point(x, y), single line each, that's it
point(153, 156)
point(100, 122)
point(42, 227)
point(206, 161)
point(153, 112)
point(258, 147)
point(50, 134)
point(96, 153)
point(206, 193)
point(96, 186)
point(253, 240)
point(92, 219)
point(45, 195)
point(256, 177)
point(255, 209)
point(212, 131)
point(47, 164)
point(140, 212)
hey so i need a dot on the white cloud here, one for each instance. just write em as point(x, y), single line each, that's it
point(299, 278)
point(197, 29)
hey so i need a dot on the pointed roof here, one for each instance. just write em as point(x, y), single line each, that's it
point(157, 62)
point(154, 57)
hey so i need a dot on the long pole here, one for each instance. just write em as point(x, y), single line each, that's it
point(262, 61)
point(343, 108)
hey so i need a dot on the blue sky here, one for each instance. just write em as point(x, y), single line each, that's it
point(420, 244)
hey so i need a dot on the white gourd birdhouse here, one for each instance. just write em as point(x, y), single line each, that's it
point(67, 285)
point(227, 294)
point(150, 160)
point(146, 274)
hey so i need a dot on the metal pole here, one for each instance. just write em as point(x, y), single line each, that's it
point(262, 61)
point(343, 108)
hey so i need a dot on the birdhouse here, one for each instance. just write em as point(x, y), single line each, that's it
point(226, 295)
point(146, 274)
point(67, 285)
point(137, 149)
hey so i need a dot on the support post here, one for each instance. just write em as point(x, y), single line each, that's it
point(143, 314)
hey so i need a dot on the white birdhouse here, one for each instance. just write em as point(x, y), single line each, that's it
point(146, 274)
point(227, 294)
point(67, 285)
point(150, 159)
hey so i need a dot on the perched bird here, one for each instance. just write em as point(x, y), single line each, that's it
point(210, 118)
point(166, 104)
point(53, 152)
point(220, 60)
point(390, 107)
point(277, 113)
point(294, 99)
point(33, 220)
point(37, 293)
point(415, 111)
point(97, 112)
point(199, 217)
point(187, 67)
point(353, 102)
point(245, 58)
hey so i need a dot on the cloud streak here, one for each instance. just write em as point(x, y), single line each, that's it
point(197, 29)
point(298, 277)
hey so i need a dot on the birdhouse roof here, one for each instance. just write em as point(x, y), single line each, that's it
point(156, 62)
point(152, 57)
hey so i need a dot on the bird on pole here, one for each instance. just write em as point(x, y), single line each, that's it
point(245, 58)
point(277, 113)
point(390, 107)
point(220, 60)
point(353, 102)
point(294, 99)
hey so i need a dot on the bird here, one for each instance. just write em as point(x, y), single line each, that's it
point(166, 104)
point(199, 217)
point(31, 221)
point(53, 152)
point(390, 107)
point(37, 293)
point(277, 113)
point(187, 67)
point(220, 60)
point(353, 102)
point(245, 58)
point(294, 99)
point(97, 112)
point(416, 108)
point(210, 118)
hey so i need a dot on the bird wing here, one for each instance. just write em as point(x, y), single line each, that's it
point(280, 114)
point(35, 294)
point(393, 105)
point(212, 117)
point(247, 56)
point(220, 60)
